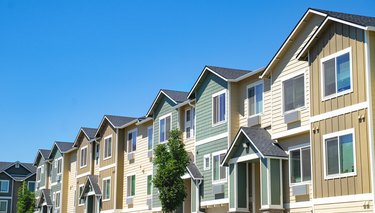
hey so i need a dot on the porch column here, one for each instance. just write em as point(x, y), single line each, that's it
point(271, 185)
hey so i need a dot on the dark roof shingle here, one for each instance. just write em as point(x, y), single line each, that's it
point(228, 73)
point(119, 121)
point(355, 19)
point(45, 153)
point(90, 132)
point(177, 96)
point(64, 146)
point(194, 171)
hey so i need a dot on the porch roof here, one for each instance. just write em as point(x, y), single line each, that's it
point(260, 141)
point(93, 181)
point(45, 196)
point(194, 171)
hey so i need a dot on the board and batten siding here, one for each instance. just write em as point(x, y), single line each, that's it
point(335, 38)
point(165, 107)
point(288, 66)
point(358, 184)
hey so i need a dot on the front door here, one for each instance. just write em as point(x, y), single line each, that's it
point(90, 204)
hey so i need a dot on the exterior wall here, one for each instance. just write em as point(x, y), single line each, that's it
point(120, 153)
point(190, 142)
point(83, 141)
point(56, 186)
point(107, 130)
point(108, 205)
point(141, 167)
point(335, 38)
point(71, 184)
point(7, 196)
point(43, 183)
point(80, 181)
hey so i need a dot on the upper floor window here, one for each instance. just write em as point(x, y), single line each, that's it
point(164, 128)
point(106, 189)
point(58, 165)
point(3, 206)
point(81, 201)
point(130, 186)
point(300, 165)
point(189, 122)
point(149, 137)
point(219, 107)
point(336, 74)
point(97, 153)
point(255, 98)
point(218, 171)
point(31, 186)
point(4, 186)
point(57, 200)
point(149, 184)
point(108, 147)
point(132, 141)
point(206, 162)
point(83, 162)
point(294, 93)
point(339, 154)
point(38, 173)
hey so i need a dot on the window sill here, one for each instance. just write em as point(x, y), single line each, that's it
point(107, 158)
point(81, 167)
point(219, 182)
point(219, 123)
point(299, 184)
point(336, 95)
point(329, 177)
point(295, 110)
point(106, 200)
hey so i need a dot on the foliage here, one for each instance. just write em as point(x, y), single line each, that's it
point(26, 200)
point(171, 160)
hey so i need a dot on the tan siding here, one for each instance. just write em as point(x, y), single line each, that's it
point(234, 110)
point(80, 181)
point(83, 142)
point(107, 130)
point(358, 184)
point(356, 206)
point(372, 68)
point(335, 38)
point(108, 205)
point(120, 169)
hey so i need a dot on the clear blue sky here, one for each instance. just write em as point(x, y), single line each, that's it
point(64, 64)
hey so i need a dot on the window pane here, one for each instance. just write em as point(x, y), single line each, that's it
point(207, 162)
point(134, 141)
point(215, 166)
point(259, 98)
point(149, 184)
point(149, 136)
point(332, 156)
point(346, 153)
point(188, 132)
point(162, 130)
point(299, 92)
point(343, 72)
point(306, 164)
point(288, 97)
point(251, 98)
point(329, 77)
point(215, 108)
point(168, 127)
point(222, 107)
point(295, 166)
point(3, 206)
point(188, 115)
point(133, 185)
point(222, 168)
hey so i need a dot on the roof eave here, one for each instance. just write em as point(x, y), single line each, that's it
point(150, 111)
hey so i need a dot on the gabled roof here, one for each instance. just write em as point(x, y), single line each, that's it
point(115, 121)
point(175, 96)
point(194, 171)
point(358, 21)
point(45, 196)
point(92, 180)
point(89, 133)
point(227, 74)
point(43, 153)
point(63, 147)
point(4, 166)
point(260, 139)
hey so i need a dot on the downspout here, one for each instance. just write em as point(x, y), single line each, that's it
point(198, 195)
point(369, 113)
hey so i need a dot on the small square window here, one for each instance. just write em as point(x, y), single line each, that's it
point(206, 162)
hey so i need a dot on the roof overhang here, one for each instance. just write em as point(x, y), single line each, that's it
point(154, 103)
point(101, 125)
point(81, 131)
point(89, 182)
point(39, 153)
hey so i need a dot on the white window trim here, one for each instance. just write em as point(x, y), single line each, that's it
point(224, 91)
point(335, 55)
point(127, 139)
point(105, 146)
point(110, 190)
point(161, 118)
point(57, 166)
point(7, 191)
point(288, 77)
point(130, 175)
point(209, 162)
point(42, 169)
point(79, 187)
point(149, 195)
point(38, 175)
point(192, 136)
point(6, 206)
point(337, 134)
point(290, 176)
point(247, 97)
point(80, 157)
point(28, 185)
point(152, 134)
point(55, 200)
point(212, 170)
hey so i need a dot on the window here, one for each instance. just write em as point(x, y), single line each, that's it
point(4, 186)
point(255, 99)
point(42, 169)
point(57, 200)
point(189, 123)
point(339, 154)
point(81, 200)
point(219, 108)
point(58, 165)
point(83, 162)
point(106, 189)
point(31, 186)
point(3, 206)
point(149, 184)
point(300, 165)
point(97, 153)
point(336, 74)
point(108, 147)
point(294, 93)
point(131, 185)
point(165, 128)
point(132, 141)
point(149, 137)
point(38, 173)
point(206, 162)
point(219, 172)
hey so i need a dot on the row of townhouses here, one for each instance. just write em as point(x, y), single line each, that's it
point(294, 136)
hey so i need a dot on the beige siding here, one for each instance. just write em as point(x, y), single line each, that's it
point(72, 182)
point(356, 206)
point(358, 184)
point(372, 68)
point(109, 204)
point(189, 143)
point(337, 37)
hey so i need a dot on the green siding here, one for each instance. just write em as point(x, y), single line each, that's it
point(244, 151)
point(57, 187)
point(241, 185)
point(231, 182)
point(210, 85)
point(193, 196)
point(42, 176)
point(165, 107)
point(264, 190)
point(275, 182)
point(209, 148)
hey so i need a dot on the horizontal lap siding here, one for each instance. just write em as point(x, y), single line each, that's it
point(189, 143)
point(372, 67)
point(234, 103)
point(336, 38)
point(107, 130)
point(80, 181)
point(72, 182)
point(359, 184)
point(84, 142)
point(108, 205)
point(356, 206)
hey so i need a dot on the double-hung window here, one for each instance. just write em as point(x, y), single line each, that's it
point(218, 171)
point(189, 123)
point(81, 200)
point(4, 186)
point(132, 141)
point(336, 74)
point(164, 128)
point(58, 165)
point(83, 162)
point(206, 162)
point(97, 153)
point(300, 165)
point(149, 137)
point(219, 107)
point(57, 200)
point(339, 153)
point(294, 93)
point(149, 184)
point(38, 173)
point(3, 206)
point(106, 189)
point(107, 147)
point(255, 99)
point(31, 186)
point(131, 186)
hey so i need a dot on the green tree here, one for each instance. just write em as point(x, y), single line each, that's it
point(171, 160)
point(26, 200)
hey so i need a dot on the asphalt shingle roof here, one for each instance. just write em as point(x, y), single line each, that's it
point(194, 171)
point(356, 19)
point(177, 96)
point(45, 153)
point(94, 183)
point(90, 132)
point(119, 121)
point(64, 146)
point(228, 73)
point(5, 165)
